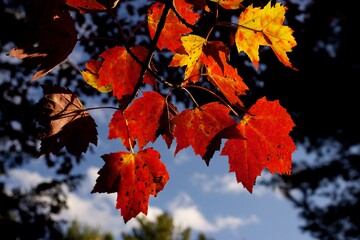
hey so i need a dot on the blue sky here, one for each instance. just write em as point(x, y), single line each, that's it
point(205, 198)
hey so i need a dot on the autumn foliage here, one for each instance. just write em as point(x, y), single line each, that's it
point(255, 137)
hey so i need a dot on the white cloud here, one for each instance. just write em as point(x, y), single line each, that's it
point(99, 210)
point(182, 156)
point(186, 214)
point(234, 222)
point(24, 178)
point(223, 184)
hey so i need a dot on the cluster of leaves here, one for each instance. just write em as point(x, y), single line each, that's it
point(256, 137)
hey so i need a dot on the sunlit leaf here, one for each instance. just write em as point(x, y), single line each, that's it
point(134, 177)
point(91, 76)
point(264, 27)
point(267, 143)
point(197, 127)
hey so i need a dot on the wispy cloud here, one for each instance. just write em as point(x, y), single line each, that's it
point(99, 209)
point(186, 214)
point(24, 178)
point(225, 184)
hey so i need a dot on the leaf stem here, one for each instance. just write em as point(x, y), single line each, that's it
point(191, 96)
point(216, 95)
point(235, 25)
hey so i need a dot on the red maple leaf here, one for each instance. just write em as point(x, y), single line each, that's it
point(267, 143)
point(223, 75)
point(142, 121)
point(122, 71)
point(134, 176)
point(174, 28)
point(197, 127)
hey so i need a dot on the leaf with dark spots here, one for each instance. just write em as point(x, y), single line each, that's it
point(265, 130)
point(134, 176)
point(197, 127)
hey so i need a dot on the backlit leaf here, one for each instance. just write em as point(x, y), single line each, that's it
point(197, 127)
point(223, 75)
point(267, 143)
point(264, 27)
point(134, 176)
point(174, 29)
point(193, 47)
point(91, 76)
point(142, 121)
point(121, 71)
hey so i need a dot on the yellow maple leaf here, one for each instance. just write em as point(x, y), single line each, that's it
point(193, 46)
point(229, 4)
point(264, 27)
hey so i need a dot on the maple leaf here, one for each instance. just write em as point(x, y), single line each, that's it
point(134, 176)
point(91, 75)
point(173, 29)
point(66, 122)
point(121, 71)
point(264, 27)
point(229, 4)
point(143, 121)
point(91, 6)
point(196, 53)
point(50, 27)
point(190, 57)
point(197, 127)
point(223, 75)
point(267, 143)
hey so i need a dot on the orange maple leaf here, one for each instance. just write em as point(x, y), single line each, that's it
point(267, 143)
point(142, 121)
point(197, 127)
point(134, 176)
point(264, 27)
point(229, 4)
point(196, 53)
point(173, 28)
point(223, 75)
point(121, 71)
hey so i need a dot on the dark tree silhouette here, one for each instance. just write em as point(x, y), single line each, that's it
point(321, 96)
